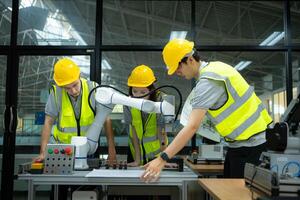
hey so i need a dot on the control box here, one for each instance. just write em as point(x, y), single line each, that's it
point(59, 159)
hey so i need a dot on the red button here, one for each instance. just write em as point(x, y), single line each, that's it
point(56, 151)
point(68, 150)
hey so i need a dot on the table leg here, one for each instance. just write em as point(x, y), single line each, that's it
point(104, 192)
point(31, 190)
point(184, 190)
point(55, 192)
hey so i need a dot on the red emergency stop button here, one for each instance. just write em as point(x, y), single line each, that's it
point(56, 151)
point(68, 150)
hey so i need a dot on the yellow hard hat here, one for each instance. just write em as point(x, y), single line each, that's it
point(174, 51)
point(141, 76)
point(65, 72)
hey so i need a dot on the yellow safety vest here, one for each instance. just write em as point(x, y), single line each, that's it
point(243, 114)
point(146, 134)
point(67, 125)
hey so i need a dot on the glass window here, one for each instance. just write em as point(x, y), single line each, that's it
point(116, 68)
point(58, 22)
point(2, 95)
point(295, 22)
point(296, 73)
point(35, 80)
point(239, 22)
point(145, 22)
point(5, 21)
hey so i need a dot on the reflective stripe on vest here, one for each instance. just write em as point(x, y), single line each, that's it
point(66, 125)
point(243, 114)
point(146, 134)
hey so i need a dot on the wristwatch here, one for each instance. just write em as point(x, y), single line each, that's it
point(164, 156)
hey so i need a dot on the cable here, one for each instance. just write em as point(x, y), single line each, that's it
point(99, 86)
point(251, 183)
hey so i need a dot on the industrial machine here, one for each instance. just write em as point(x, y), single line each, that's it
point(208, 154)
point(279, 173)
point(106, 98)
point(283, 142)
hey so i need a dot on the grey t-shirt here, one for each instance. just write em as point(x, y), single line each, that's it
point(211, 94)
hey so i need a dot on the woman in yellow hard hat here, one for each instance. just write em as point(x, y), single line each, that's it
point(146, 130)
point(223, 95)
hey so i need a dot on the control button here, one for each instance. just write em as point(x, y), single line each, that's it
point(62, 151)
point(68, 150)
point(56, 151)
point(50, 151)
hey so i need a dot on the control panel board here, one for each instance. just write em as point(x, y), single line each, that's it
point(59, 159)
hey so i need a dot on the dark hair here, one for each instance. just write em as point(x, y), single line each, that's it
point(153, 96)
point(196, 56)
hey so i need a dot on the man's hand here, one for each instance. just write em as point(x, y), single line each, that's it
point(152, 170)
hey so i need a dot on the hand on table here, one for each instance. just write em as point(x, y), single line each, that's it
point(152, 170)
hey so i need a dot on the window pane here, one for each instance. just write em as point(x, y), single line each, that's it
point(239, 22)
point(58, 22)
point(263, 70)
point(295, 21)
point(35, 80)
point(5, 21)
point(144, 22)
point(296, 73)
point(2, 95)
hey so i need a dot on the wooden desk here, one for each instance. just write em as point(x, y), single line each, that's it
point(206, 169)
point(227, 189)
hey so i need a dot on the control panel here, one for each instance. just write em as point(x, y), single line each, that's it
point(59, 159)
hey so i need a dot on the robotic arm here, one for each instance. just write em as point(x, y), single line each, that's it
point(106, 98)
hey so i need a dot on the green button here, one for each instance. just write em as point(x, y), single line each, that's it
point(50, 151)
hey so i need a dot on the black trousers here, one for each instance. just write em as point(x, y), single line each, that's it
point(237, 157)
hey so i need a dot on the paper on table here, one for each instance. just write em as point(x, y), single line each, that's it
point(134, 173)
point(205, 130)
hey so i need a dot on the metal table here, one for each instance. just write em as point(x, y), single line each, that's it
point(167, 178)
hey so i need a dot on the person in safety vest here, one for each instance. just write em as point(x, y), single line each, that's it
point(147, 137)
point(68, 106)
point(223, 95)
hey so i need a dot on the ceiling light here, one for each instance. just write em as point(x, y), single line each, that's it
point(178, 34)
point(272, 39)
point(242, 65)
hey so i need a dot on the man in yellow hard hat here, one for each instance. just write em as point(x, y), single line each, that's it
point(68, 106)
point(223, 95)
point(147, 137)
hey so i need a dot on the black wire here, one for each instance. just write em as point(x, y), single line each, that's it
point(149, 93)
point(251, 183)
point(99, 86)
